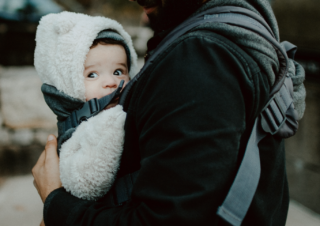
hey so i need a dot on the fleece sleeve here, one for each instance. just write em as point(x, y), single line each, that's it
point(190, 113)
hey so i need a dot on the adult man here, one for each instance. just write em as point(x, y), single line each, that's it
point(189, 118)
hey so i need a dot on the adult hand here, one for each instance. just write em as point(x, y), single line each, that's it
point(46, 171)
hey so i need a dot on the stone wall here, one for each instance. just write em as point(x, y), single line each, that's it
point(25, 118)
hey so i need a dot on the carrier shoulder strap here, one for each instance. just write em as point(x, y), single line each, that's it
point(272, 119)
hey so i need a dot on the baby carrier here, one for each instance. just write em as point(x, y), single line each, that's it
point(278, 118)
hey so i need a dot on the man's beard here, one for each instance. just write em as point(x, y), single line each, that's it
point(172, 13)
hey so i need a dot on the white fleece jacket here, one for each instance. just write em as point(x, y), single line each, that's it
point(89, 160)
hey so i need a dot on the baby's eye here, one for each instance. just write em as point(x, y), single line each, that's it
point(117, 72)
point(92, 75)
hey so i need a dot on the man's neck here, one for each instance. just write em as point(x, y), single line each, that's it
point(161, 34)
point(173, 12)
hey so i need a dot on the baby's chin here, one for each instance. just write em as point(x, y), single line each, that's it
point(112, 104)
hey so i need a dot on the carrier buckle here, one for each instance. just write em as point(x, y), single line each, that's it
point(88, 110)
point(273, 116)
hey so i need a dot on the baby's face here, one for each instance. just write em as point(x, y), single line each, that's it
point(105, 66)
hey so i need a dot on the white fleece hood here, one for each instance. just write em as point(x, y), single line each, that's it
point(63, 41)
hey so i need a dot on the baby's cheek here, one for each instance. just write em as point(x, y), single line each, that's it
point(91, 93)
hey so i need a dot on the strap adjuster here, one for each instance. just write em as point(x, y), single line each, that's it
point(273, 116)
point(89, 109)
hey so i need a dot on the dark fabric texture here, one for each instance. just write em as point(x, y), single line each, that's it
point(60, 103)
point(189, 118)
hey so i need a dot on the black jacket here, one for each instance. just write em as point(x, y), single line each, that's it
point(188, 121)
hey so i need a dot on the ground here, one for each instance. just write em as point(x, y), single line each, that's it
point(21, 205)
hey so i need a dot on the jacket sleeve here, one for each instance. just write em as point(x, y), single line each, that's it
point(190, 113)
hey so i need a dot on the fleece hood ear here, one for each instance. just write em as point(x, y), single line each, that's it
point(63, 41)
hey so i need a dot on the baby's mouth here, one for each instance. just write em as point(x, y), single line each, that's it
point(112, 104)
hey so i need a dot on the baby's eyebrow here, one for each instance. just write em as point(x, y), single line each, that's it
point(123, 64)
point(86, 67)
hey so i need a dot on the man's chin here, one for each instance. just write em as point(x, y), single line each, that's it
point(150, 10)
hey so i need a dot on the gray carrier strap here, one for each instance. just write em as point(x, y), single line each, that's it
point(271, 120)
point(238, 200)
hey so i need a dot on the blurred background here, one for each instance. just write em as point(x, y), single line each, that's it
point(26, 121)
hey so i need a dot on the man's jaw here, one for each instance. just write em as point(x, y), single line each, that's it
point(166, 14)
point(149, 6)
point(149, 10)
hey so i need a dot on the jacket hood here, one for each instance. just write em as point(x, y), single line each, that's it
point(63, 41)
point(256, 46)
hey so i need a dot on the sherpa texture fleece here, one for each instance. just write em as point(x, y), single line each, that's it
point(63, 42)
point(90, 159)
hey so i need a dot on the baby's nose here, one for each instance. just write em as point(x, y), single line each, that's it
point(109, 82)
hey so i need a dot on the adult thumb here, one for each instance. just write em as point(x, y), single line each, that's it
point(51, 146)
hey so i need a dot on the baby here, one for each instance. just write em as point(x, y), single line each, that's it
point(79, 58)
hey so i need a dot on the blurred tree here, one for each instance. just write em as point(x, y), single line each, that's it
point(85, 3)
point(71, 5)
point(27, 10)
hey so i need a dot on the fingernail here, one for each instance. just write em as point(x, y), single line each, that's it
point(50, 137)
